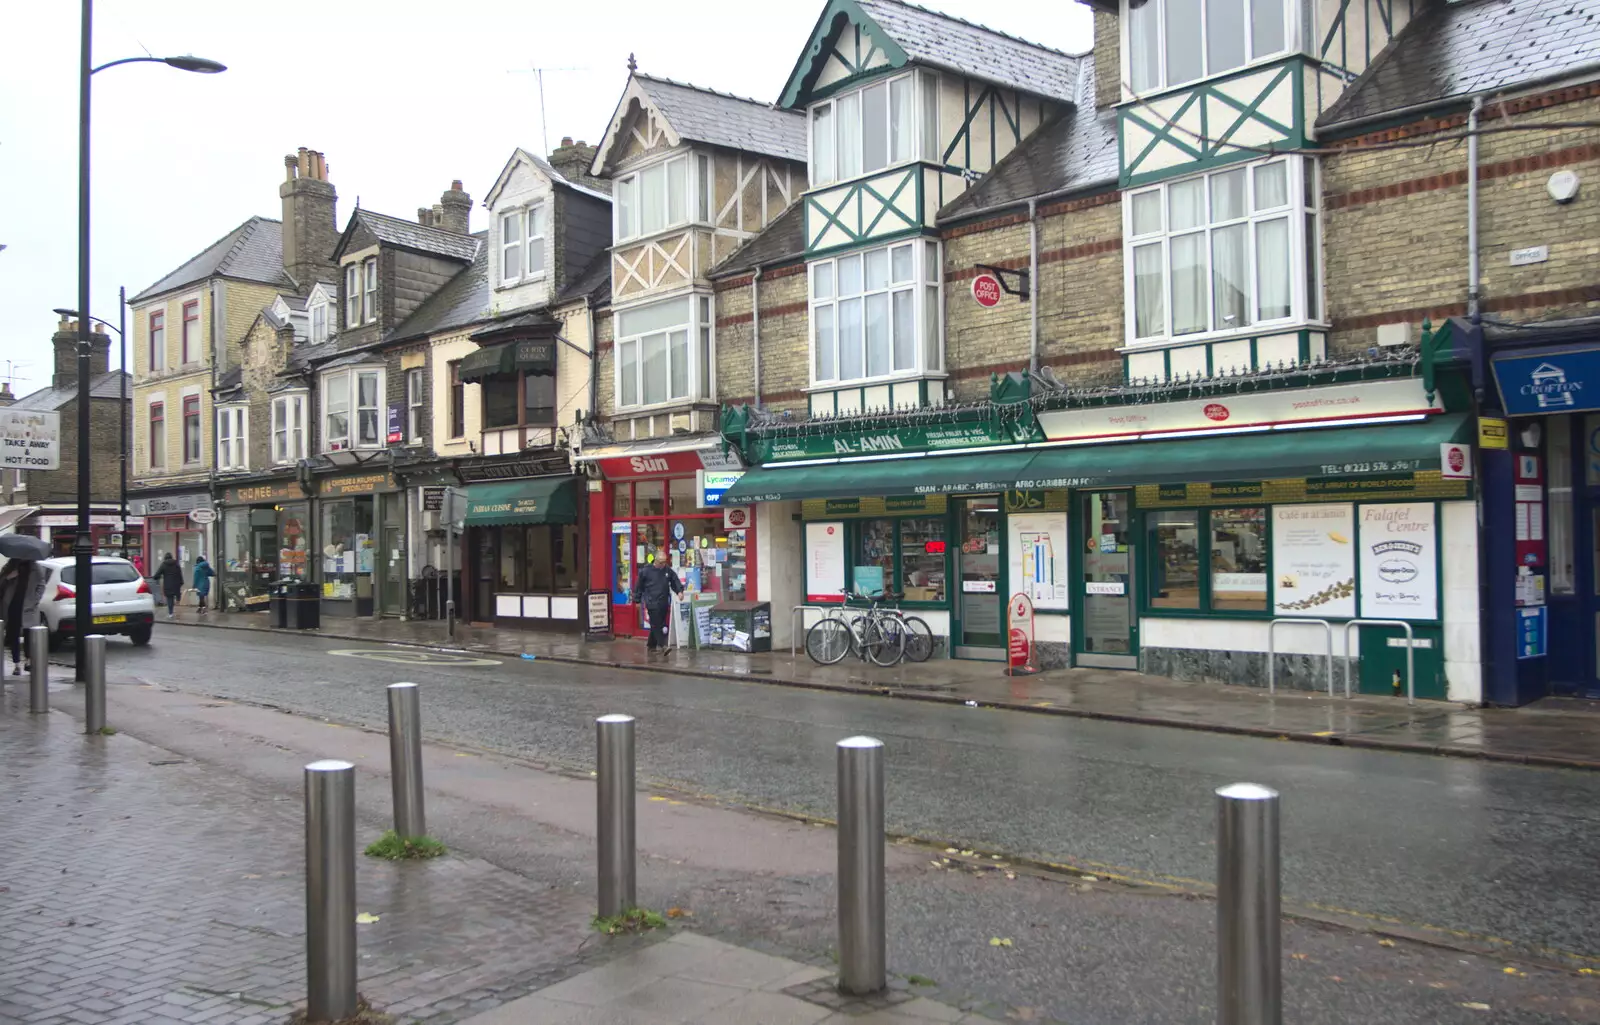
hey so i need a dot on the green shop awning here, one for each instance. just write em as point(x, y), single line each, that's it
point(533, 356)
point(1399, 449)
point(534, 500)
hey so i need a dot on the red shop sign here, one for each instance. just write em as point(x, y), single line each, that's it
point(986, 289)
point(664, 464)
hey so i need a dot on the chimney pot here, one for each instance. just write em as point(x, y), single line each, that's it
point(455, 185)
point(566, 140)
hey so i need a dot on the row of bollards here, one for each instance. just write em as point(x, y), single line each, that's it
point(1249, 981)
point(93, 653)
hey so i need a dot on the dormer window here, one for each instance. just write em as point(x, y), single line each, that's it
point(1171, 42)
point(655, 198)
point(361, 292)
point(874, 127)
point(522, 244)
point(319, 322)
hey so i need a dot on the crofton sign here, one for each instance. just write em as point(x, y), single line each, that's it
point(1352, 402)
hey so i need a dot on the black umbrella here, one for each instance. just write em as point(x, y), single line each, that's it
point(22, 546)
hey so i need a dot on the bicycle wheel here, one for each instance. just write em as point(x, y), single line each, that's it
point(828, 641)
point(884, 641)
point(919, 639)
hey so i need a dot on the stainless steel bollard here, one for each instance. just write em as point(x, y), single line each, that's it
point(39, 672)
point(863, 955)
point(330, 890)
point(92, 651)
point(405, 760)
point(615, 810)
point(1249, 941)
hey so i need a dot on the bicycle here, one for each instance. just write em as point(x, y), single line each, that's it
point(882, 634)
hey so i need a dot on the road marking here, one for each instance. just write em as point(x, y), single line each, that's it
point(414, 657)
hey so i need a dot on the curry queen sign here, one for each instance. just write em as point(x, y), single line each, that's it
point(30, 440)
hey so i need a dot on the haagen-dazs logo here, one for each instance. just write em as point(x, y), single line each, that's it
point(1549, 386)
point(1216, 411)
point(1395, 566)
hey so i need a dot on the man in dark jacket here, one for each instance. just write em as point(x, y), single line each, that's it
point(657, 583)
point(170, 576)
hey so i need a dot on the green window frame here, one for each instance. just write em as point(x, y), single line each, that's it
point(869, 529)
point(1221, 551)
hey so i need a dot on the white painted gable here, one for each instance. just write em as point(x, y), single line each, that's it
point(523, 184)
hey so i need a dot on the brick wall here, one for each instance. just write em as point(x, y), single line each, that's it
point(1107, 59)
point(1395, 222)
point(785, 340)
point(61, 485)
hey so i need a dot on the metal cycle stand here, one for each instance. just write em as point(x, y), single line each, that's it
point(1272, 653)
point(1411, 653)
point(799, 612)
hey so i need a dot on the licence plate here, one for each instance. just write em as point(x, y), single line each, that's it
point(110, 619)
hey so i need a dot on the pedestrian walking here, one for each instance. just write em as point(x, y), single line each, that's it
point(657, 584)
point(21, 589)
point(202, 581)
point(170, 576)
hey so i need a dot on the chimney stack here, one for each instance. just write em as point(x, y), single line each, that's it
point(454, 210)
point(310, 218)
point(65, 343)
point(425, 216)
point(6, 398)
point(573, 160)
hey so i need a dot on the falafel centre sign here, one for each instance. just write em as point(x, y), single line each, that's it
point(30, 440)
point(1399, 561)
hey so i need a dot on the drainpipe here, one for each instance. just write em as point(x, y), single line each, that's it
point(755, 329)
point(594, 366)
point(1033, 288)
point(1474, 310)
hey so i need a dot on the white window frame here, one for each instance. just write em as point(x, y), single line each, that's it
point(927, 303)
point(517, 236)
point(416, 393)
point(924, 86)
point(317, 315)
point(510, 222)
point(190, 348)
point(352, 294)
point(699, 349)
point(369, 290)
point(288, 428)
point(1157, 10)
point(634, 181)
point(1305, 270)
point(345, 385)
point(233, 437)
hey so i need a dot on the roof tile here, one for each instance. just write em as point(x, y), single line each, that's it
point(252, 252)
point(941, 41)
point(720, 119)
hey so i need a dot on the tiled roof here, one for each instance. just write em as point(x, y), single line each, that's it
point(781, 241)
point(594, 282)
point(1454, 50)
point(463, 300)
point(941, 41)
point(720, 119)
point(397, 231)
point(1078, 149)
point(252, 252)
point(102, 386)
point(303, 357)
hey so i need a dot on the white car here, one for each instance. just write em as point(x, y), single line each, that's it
point(123, 601)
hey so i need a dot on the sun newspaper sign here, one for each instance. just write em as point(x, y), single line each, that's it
point(30, 440)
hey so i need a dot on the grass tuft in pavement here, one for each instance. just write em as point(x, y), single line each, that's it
point(364, 1015)
point(391, 847)
point(633, 920)
point(107, 731)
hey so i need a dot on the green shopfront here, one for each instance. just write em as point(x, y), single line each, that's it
point(1145, 536)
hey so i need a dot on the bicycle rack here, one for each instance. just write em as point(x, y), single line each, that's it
point(794, 635)
point(1272, 660)
point(1411, 654)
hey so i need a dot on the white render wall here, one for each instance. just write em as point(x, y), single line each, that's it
point(1463, 666)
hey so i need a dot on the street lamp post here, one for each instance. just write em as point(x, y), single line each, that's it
point(83, 547)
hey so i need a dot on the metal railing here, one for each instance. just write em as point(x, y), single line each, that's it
point(796, 637)
point(1411, 654)
point(1272, 653)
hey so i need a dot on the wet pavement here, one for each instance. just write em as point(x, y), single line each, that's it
point(982, 936)
point(1554, 732)
point(1463, 850)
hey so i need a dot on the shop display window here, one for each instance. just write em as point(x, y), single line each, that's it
point(911, 553)
point(662, 518)
point(1175, 544)
point(347, 549)
point(539, 559)
point(1239, 559)
point(1209, 560)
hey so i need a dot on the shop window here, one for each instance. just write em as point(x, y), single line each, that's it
point(681, 497)
point(622, 501)
point(911, 553)
point(647, 498)
point(347, 549)
point(1228, 572)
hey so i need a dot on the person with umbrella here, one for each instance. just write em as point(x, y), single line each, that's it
point(21, 590)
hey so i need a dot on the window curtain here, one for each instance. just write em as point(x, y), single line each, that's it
point(1189, 283)
point(1149, 309)
point(1230, 276)
point(1272, 269)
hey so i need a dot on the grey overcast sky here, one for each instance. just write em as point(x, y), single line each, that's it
point(402, 96)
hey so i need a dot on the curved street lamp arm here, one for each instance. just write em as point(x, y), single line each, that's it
point(125, 60)
point(74, 315)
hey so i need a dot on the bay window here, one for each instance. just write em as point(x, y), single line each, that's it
point(526, 398)
point(350, 399)
point(874, 127)
point(288, 428)
point(1171, 42)
point(662, 196)
point(233, 442)
point(869, 310)
point(656, 362)
point(1222, 252)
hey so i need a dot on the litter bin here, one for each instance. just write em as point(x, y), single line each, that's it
point(278, 605)
point(303, 603)
point(741, 626)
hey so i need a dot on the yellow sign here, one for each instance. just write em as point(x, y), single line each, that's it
point(1492, 433)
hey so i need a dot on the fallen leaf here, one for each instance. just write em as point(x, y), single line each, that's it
point(966, 854)
point(1438, 985)
point(1336, 978)
point(1509, 970)
point(1298, 957)
point(250, 875)
point(364, 918)
point(994, 857)
point(1090, 879)
point(995, 941)
point(1011, 875)
point(1581, 971)
point(1386, 943)
point(658, 798)
point(679, 913)
point(1473, 1005)
point(951, 850)
point(1023, 1014)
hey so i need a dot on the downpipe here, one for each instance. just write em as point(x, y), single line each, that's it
point(755, 330)
point(1033, 287)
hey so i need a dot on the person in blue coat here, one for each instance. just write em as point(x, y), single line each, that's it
point(202, 581)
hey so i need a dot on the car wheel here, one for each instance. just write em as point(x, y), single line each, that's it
point(140, 635)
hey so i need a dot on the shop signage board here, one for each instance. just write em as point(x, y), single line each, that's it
point(249, 494)
point(1455, 461)
point(665, 464)
point(1493, 433)
point(1399, 561)
point(1354, 402)
point(397, 412)
point(433, 499)
point(1019, 636)
point(711, 485)
point(1533, 633)
point(1549, 382)
point(825, 562)
point(1314, 561)
point(30, 439)
point(203, 516)
point(986, 290)
point(1423, 484)
point(932, 438)
point(168, 504)
point(1038, 556)
point(357, 484)
point(598, 605)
